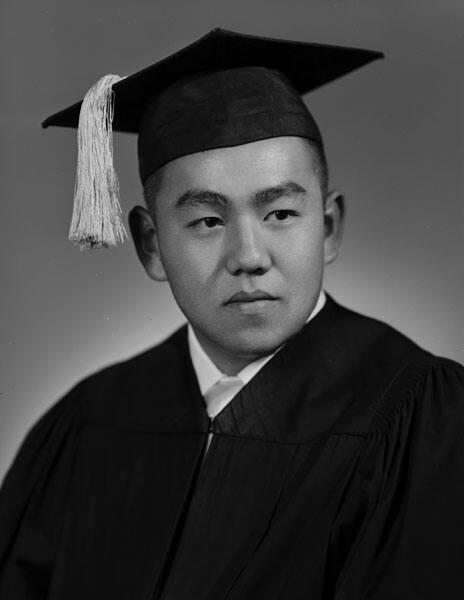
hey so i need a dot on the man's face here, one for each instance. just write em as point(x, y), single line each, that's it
point(240, 237)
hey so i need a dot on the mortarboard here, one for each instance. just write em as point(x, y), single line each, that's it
point(225, 89)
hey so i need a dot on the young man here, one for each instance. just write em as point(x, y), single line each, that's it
point(279, 445)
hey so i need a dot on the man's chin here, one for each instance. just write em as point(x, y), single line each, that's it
point(256, 343)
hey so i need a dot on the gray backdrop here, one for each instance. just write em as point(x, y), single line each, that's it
point(394, 137)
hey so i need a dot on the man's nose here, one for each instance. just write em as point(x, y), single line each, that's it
point(246, 250)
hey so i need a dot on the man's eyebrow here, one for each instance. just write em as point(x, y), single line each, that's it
point(268, 195)
point(207, 197)
point(200, 197)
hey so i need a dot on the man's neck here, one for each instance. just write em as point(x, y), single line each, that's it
point(227, 363)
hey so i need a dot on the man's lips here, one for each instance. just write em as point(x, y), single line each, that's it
point(254, 296)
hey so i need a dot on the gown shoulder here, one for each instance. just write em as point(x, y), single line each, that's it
point(34, 490)
point(409, 480)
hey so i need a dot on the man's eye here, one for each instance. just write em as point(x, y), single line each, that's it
point(281, 215)
point(206, 223)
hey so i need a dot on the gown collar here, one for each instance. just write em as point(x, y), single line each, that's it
point(294, 397)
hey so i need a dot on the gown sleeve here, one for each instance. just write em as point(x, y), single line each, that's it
point(31, 502)
point(410, 541)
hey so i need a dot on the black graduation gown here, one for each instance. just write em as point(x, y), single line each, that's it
point(336, 473)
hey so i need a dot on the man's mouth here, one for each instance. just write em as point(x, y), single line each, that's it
point(249, 297)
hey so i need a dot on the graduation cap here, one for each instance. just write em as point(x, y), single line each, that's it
point(225, 89)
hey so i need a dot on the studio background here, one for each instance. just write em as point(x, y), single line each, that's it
point(394, 139)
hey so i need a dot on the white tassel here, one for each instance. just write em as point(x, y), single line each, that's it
point(96, 220)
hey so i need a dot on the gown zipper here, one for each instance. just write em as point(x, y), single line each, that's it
point(158, 590)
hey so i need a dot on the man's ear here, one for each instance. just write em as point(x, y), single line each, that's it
point(145, 237)
point(334, 212)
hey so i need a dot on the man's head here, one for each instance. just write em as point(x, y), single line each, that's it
point(235, 223)
point(240, 222)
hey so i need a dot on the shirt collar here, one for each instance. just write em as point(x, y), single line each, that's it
point(206, 371)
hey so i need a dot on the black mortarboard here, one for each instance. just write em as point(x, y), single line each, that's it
point(225, 89)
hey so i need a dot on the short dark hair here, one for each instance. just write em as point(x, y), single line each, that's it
point(151, 189)
point(322, 167)
point(153, 183)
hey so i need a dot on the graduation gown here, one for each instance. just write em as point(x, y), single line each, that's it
point(336, 473)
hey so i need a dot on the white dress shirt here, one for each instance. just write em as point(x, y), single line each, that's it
point(217, 388)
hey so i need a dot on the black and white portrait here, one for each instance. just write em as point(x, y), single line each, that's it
point(232, 332)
